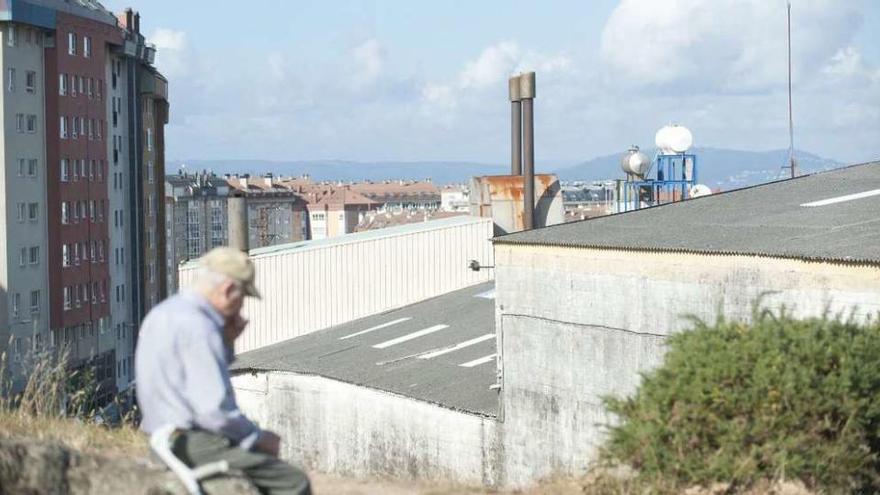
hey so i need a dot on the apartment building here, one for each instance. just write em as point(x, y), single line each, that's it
point(195, 218)
point(401, 195)
point(76, 85)
point(276, 212)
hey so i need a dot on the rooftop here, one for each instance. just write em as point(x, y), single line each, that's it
point(828, 216)
point(441, 351)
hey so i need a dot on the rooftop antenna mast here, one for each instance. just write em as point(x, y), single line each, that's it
point(791, 161)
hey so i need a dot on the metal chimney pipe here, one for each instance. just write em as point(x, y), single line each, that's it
point(527, 93)
point(515, 127)
point(238, 222)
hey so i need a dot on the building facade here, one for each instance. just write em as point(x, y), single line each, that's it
point(195, 219)
point(74, 91)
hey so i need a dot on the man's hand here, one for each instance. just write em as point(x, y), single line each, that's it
point(268, 443)
point(234, 327)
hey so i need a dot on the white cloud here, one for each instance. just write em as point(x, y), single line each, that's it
point(493, 65)
point(171, 51)
point(369, 58)
point(722, 45)
point(488, 72)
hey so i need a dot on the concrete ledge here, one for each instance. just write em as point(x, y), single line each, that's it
point(335, 427)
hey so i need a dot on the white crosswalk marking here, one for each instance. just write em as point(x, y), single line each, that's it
point(459, 346)
point(377, 327)
point(477, 362)
point(410, 336)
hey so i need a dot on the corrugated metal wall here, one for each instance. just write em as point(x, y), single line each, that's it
point(319, 284)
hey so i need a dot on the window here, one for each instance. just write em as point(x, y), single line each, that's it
point(30, 81)
point(32, 167)
point(19, 122)
point(65, 255)
point(71, 44)
point(33, 211)
point(75, 253)
point(87, 47)
point(62, 125)
point(92, 210)
point(65, 213)
point(16, 304)
point(66, 298)
point(10, 80)
point(101, 251)
point(35, 301)
point(91, 169)
point(100, 88)
point(21, 211)
point(32, 124)
point(75, 132)
point(93, 129)
point(100, 130)
point(152, 272)
point(149, 138)
point(150, 172)
point(11, 35)
point(101, 211)
point(62, 84)
point(65, 170)
point(73, 85)
point(22, 257)
point(35, 255)
point(21, 166)
point(90, 83)
point(95, 293)
point(80, 84)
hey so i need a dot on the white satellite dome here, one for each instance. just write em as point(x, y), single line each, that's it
point(673, 139)
point(699, 190)
point(635, 162)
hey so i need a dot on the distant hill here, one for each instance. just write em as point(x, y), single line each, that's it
point(718, 168)
point(438, 172)
point(727, 169)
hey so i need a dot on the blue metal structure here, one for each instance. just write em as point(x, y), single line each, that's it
point(674, 176)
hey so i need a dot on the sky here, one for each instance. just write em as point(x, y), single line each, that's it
point(398, 80)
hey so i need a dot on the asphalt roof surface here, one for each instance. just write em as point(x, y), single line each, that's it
point(440, 350)
point(771, 220)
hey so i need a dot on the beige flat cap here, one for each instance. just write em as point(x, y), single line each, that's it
point(234, 264)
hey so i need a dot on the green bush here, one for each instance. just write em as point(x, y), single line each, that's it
point(739, 403)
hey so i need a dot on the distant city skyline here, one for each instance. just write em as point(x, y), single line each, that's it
point(401, 81)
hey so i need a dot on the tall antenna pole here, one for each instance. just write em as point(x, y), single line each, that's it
point(791, 162)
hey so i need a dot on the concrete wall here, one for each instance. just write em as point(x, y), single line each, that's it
point(335, 427)
point(577, 324)
point(319, 284)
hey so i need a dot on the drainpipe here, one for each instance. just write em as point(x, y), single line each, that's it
point(527, 93)
point(238, 222)
point(515, 127)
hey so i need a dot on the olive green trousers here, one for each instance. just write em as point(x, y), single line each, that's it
point(269, 474)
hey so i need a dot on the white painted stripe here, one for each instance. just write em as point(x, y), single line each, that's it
point(489, 294)
point(377, 327)
point(477, 362)
point(841, 199)
point(410, 336)
point(456, 347)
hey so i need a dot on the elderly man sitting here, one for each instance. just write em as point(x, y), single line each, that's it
point(182, 365)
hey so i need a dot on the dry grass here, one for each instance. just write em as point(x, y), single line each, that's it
point(41, 410)
point(75, 434)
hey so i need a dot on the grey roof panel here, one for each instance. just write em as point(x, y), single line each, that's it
point(765, 220)
point(399, 368)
